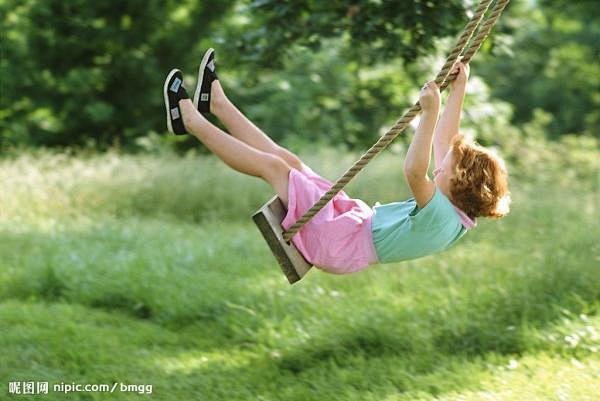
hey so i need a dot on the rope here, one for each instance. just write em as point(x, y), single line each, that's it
point(442, 79)
point(482, 34)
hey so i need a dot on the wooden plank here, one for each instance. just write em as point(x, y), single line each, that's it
point(268, 220)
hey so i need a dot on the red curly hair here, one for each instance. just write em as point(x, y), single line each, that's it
point(479, 184)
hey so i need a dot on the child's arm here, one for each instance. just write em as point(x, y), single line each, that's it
point(416, 164)
point(449, 123)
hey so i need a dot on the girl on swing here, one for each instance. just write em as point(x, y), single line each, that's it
point(347, 235)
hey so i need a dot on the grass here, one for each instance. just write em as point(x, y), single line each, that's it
point(148, 270)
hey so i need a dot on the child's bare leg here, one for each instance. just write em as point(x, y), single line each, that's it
point(235, 153)
point(242, 128)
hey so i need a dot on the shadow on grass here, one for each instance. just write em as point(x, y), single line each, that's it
point(498, 322)
point(237, 311)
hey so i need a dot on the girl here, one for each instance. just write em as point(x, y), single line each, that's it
point(347, 235)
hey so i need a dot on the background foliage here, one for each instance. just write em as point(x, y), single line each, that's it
point(88, 73)
point(374, 30)
point(80, 71)
point(550, 61)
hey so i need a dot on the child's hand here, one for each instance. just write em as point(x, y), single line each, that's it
point(463, 70)
point(430, 98)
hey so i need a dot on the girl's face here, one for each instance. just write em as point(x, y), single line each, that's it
point(443, 174)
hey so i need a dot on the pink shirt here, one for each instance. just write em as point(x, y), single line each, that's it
point(465, 220)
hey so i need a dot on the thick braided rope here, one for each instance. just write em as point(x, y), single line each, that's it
point(442, 80)
point(482, 34)
point(462, 41)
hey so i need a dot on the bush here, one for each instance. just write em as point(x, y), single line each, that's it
point(81, 71)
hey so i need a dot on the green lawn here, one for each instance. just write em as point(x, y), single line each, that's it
point(148, 270)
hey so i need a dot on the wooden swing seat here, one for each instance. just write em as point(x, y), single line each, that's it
point(268, 219)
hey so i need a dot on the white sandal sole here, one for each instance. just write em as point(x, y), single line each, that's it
point(201, 76)
point(166, 96)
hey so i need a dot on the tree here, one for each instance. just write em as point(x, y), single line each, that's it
point(82, 71)
point(376, 30)
point(550, 63)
